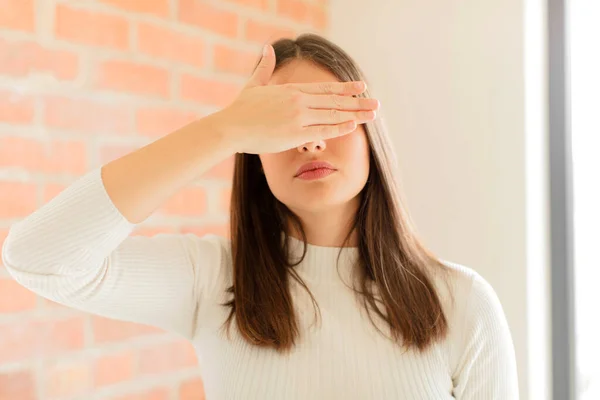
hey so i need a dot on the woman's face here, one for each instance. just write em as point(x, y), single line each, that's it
point(347, 156)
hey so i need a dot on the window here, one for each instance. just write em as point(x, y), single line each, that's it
point(584, 76)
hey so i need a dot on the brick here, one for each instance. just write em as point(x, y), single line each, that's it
point(167, 358)
point(55, 156)
point(40, 338)
point(51, 190)
point(319, 18)
point(109, 330)
point(114, 368)
point(17, 15)
point(265, 32)
point(131, 77)
point(112, 152)
point(87, 116)
point(208, 91)
point(189, 201)
point(67, 380)
point(16, 108)
point(227, 59)
point(166, 43)
point(14, 297)
point(21, 58)
point(303, 12)
point(259, 4)
point(294, 9)
point(17, 200)
point(154, 394)
point(225, 200)
point(17, 385)
point(152, 231)
point(156, 7)
point(208, 17)
point(159, 121)
point(223, 170)
point(192, 389)
point(91, 28)
point(219, 230)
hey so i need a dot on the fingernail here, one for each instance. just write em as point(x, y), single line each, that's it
point(265, 50)
point(359, 85)
point(368, 115)
point(373, 103)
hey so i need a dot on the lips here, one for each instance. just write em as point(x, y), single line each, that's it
point(314, 169)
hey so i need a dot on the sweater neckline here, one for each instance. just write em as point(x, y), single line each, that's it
point(321, 263)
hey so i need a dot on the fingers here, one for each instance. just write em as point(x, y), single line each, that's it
point(323, 132)
point(341, 102)
point(265, 67)
point(341, 88)
point(334, 116)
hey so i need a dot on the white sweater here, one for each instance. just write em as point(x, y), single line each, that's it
point(77, 250)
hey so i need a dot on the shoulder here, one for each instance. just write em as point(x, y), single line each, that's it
point(473, 293)
point(470, 303)
point(458, 285)
point(209, 244)
point(211, 256)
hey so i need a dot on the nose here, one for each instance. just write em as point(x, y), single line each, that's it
point(312, 147)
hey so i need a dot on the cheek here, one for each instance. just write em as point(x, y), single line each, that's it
point(355, 149)
point(275, 169)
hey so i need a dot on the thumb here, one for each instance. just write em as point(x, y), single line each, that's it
point(265, 67)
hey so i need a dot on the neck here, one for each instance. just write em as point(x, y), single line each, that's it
point(328, 227)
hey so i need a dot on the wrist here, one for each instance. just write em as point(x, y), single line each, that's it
point(221, 127)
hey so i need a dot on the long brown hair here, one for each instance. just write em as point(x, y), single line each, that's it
point(391, 258)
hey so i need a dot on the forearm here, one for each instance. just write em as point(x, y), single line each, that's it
point(139, 182)
point(87, 221)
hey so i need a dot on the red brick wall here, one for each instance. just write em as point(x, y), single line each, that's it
point(82, 82)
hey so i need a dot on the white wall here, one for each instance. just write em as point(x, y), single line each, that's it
point(451, 78)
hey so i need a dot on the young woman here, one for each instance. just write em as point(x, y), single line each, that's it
point(323, 291)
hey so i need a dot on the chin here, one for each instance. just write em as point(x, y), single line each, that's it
point(314, 199)
point(317, 196)
point(311, 205)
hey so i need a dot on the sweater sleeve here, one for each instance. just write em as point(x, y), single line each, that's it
point(486, 367)
point(77, 251)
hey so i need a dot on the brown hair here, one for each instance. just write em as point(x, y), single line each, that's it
point(390, 256)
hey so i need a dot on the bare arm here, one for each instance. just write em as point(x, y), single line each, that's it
point(139, 182)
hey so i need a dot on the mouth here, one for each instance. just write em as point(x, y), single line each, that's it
point(314, 170)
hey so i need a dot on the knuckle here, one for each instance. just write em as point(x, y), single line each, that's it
point(325, 86)
point(297, 116)
point(297, 98)
point(288, 88)
point(336, 100)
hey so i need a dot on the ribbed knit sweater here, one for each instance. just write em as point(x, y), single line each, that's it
point(77, 250)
